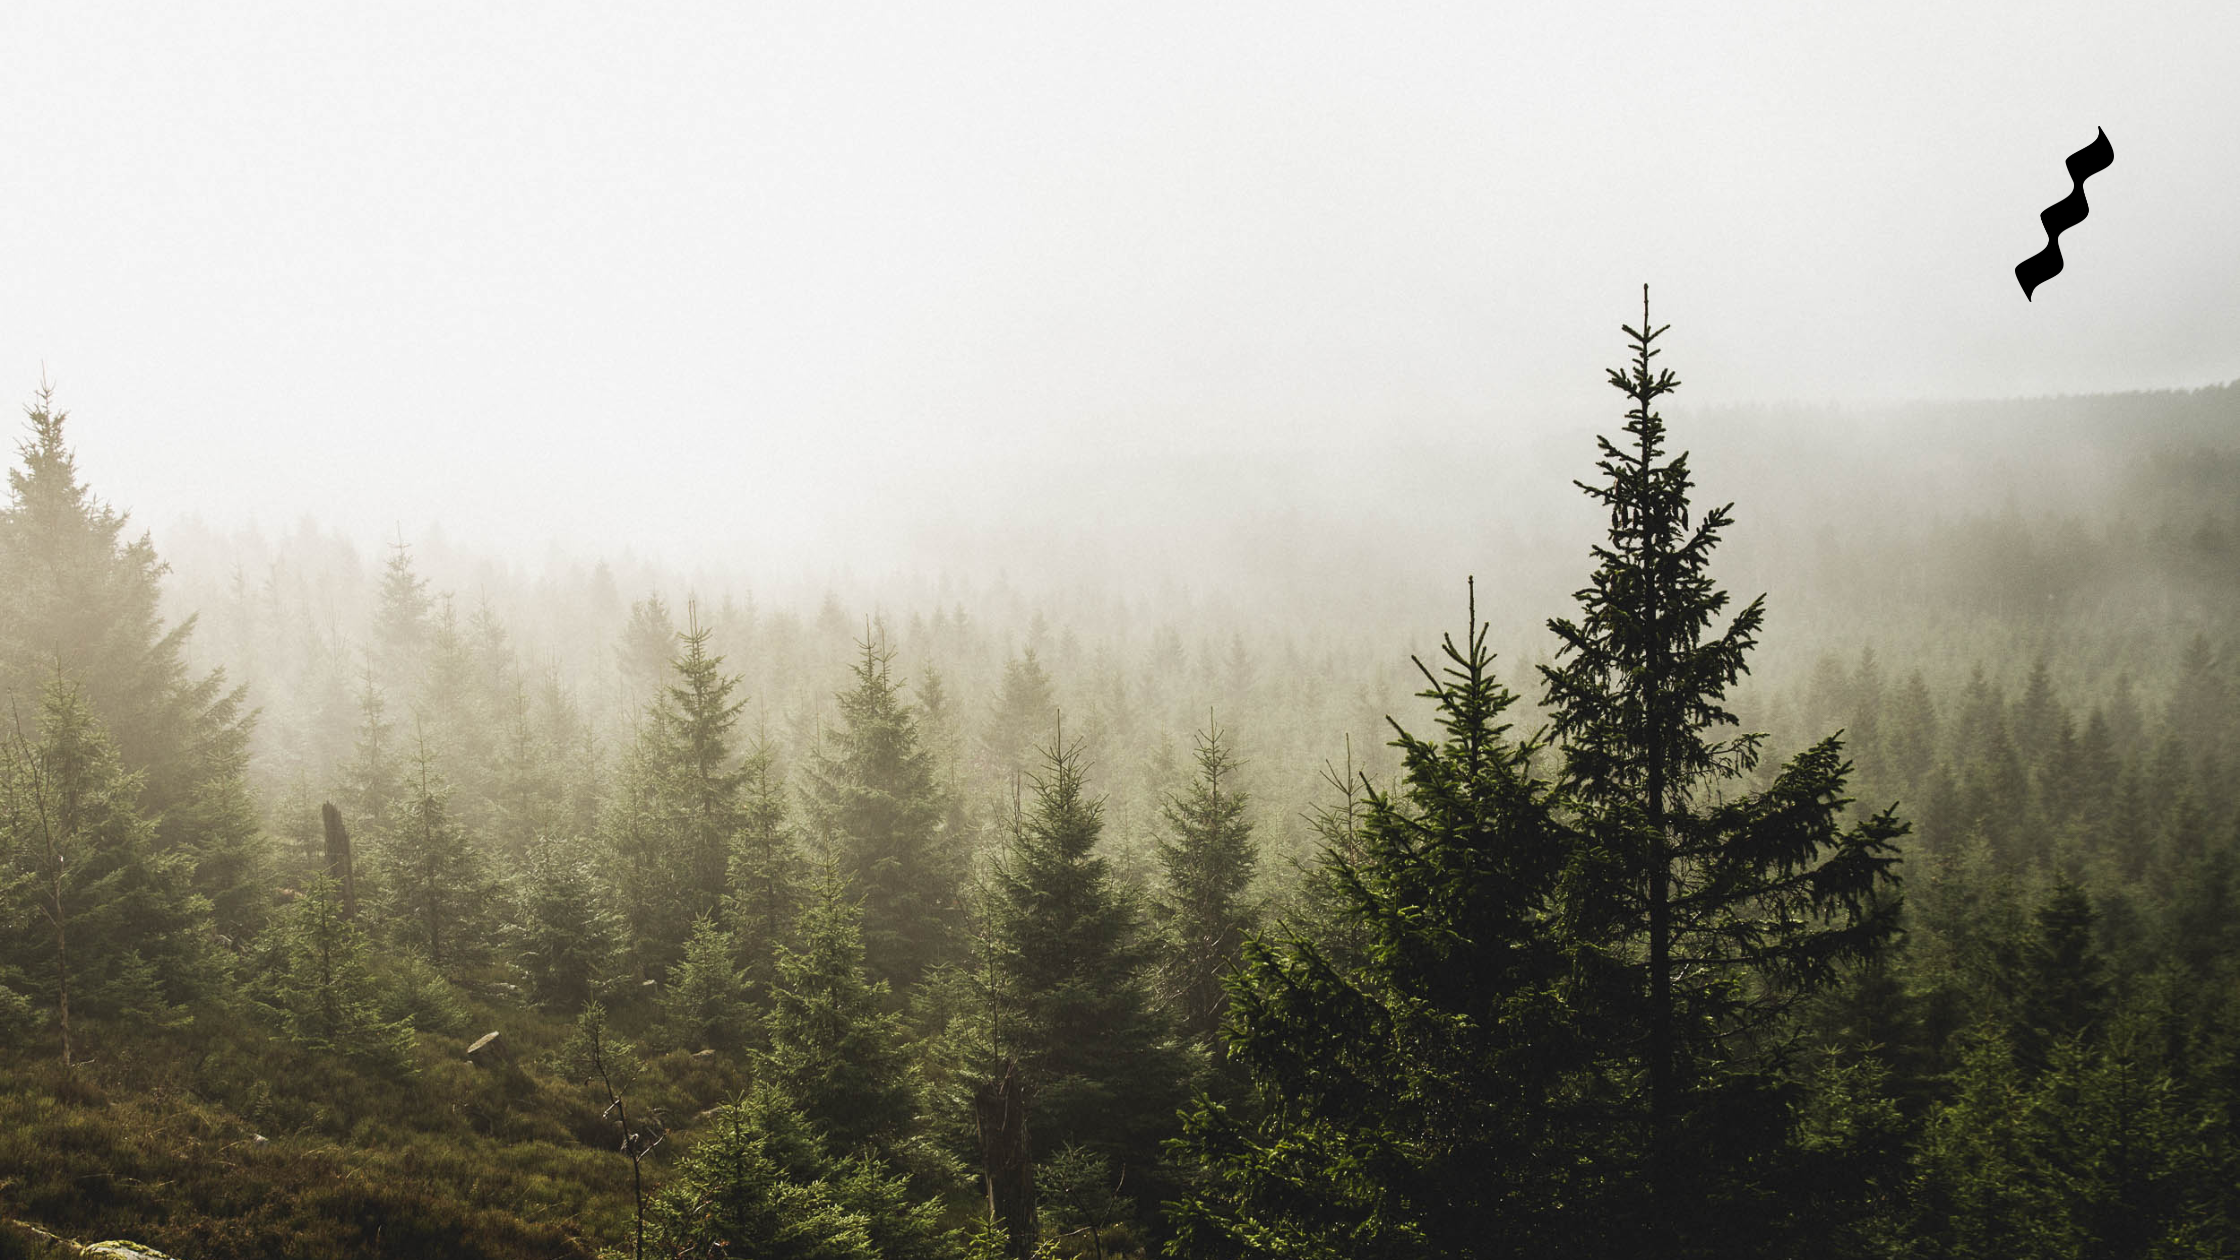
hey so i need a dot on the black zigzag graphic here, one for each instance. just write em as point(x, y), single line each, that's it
point(2064, 214)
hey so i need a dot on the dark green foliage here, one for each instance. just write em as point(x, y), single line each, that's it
point(1322, 912)
point(103, 921)
point(691, 730)
point(1848, 1170)
point(436, 892)
point(313, 973)
point(953, 1020)
point(1100, 1060)
point(768, 876)
point(1422, 1093)
point(759, 1182)
point(835, 1049)
point(220, 832)
point(1080, 1200)
point(703, 1002)
point(1449, 1044)
point(81, 602)
point(1559, 1021)
point(412, 988)
point(1696, 913)
point(1208, 860)
point(2063, 983)
point(679, 805)
point(734, 1194)
point(564, 940)
point(20, 1016)
point(875, 790)
point(2106, 1150)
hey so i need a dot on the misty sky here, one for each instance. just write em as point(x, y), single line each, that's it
point(699, 277)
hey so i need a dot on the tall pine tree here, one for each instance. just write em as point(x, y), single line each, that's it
point(401, 623)
point(434, 882)
point(1208, 860)
point(679, 807)
point(79, 599)
point(1701, 911)
point(1101, 1062)
point(769, 877)
point(876, 791)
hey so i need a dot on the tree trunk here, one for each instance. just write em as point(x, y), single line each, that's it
point(1000, 1110)
point(61, 967)
point(338, 858)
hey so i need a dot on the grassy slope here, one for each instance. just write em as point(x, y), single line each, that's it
point(157, 1139)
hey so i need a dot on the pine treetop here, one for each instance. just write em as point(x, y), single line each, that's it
point(1639, 686)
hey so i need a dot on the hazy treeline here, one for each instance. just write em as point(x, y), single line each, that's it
point(963, 917)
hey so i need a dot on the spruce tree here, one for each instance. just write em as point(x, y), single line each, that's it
point(1702, 911)
point(679, 809)
point(836, 1050)
point(401, 623)
point(876, 791)
point(944, 745)
point(113, 927)
point(1100, 1059)
point(314, 974)
point(757, 1182)
point(1322, 909)
point(373, 782)
point(1420, 1086)
point(528, 780)
point(703, 780)
point(703, 1004)
point(649, 644)
point(2104, 1150)
point(747, 1187)
point(2062, 986)
point(1023, 710)
point(1208, 860)
point(577, 761)
point(457, 715)
point(434, 881)
point(564, 940)
point(82, 602)
point(768, 878)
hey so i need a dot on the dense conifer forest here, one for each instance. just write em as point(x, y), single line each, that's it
point(420, 904)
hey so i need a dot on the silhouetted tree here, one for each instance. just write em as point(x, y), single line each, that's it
point(1699, 912)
